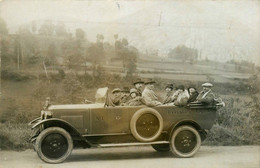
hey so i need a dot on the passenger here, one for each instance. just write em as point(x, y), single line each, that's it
point(116, 96)
point(175, 94)
point(135, 100)
point(182, 97)
point(168, 97)
point(206, 96)
point(148, 95)
point(193, 94)
point(138, 86)
point(125, 97)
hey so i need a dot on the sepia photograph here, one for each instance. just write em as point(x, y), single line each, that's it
point(130, 83)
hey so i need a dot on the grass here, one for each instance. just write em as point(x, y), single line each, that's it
point(14, 136)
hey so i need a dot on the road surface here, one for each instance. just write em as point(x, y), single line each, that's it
point(143, 157)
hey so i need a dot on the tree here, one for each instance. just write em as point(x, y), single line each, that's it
point(100, 38)
point(183, 53)
point(47, 28)
point(3, 28)
point(7, 57)
point(127, 54)
point(60, 30)
point(80, 34)
point(51, 55)
point(95, 53)
point(73, 88)
point(72, 53)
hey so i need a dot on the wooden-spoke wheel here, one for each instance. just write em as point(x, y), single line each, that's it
point(54, 145)
point(185, 141)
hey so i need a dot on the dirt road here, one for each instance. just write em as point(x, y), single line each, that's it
point(143, 157)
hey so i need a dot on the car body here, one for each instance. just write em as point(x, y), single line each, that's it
point(167, 128)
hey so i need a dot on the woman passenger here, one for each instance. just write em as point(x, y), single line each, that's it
point(168, 97)
point(193, 94)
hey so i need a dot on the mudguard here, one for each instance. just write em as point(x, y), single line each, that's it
point(184, 122)
point(55, 122)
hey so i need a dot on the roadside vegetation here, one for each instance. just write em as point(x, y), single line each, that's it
point(236, 124)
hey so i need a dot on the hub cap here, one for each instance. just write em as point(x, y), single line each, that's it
point(147, 125)
point(54, 146)
point(185, 141)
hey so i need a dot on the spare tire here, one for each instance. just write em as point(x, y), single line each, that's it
point(146, 124)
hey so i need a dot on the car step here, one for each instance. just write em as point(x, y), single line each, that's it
point(131, 144)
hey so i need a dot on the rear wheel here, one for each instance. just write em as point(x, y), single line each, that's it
point(185, 141)
point(161, 147)
point(54, 145)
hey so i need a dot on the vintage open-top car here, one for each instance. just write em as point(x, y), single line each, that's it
point(166, 128)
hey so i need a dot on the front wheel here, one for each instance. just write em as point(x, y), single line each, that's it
point(185, 141)
point(54, 145)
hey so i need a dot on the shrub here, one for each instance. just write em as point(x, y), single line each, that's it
point(16, 75)
point(14, 136)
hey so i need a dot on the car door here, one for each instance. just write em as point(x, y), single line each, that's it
point(111, 120)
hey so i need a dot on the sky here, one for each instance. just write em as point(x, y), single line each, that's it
point(220, 29)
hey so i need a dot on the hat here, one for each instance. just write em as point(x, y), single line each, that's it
point(207, 84)
point(125, 89)
point(116, 90)
point(169, 86)
point(138, 80)
point(149, 81)
point(133, 90)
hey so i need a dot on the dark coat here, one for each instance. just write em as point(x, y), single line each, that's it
point(124, 99)
point(206, 98)
point(139, 92)
point(137, 101)
point(193, 97)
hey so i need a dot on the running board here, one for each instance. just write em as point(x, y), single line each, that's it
point(132, 144)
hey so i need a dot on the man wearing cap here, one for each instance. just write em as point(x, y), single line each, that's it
point(168, 97)
point(125, 96)
point(148, 95)
point(138, 83)
point(206, 96)
point(116, 96)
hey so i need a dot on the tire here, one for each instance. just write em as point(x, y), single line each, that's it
point(161, 147)
point(185, 141)
point(54, 145)
point(146, 124)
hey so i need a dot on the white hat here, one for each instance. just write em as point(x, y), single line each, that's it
point(207, 84)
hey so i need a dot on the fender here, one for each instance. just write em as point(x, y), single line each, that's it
point(63, 124)
point(34, 121)
point(183, 122)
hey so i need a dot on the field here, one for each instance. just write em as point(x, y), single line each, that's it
point(23, 95)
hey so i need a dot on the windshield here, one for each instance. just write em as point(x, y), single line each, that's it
point(101, 95)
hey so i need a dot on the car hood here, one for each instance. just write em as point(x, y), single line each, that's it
point(75, 106)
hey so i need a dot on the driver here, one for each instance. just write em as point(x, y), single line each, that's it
point(125, 96)
point(116, 96)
